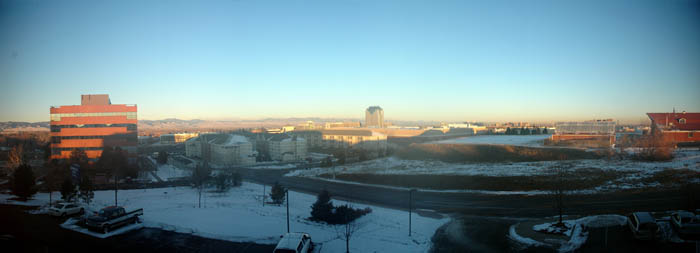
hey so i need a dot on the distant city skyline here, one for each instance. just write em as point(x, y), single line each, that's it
point(451, 61)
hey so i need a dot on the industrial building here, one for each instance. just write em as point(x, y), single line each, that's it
point(91, 126)
point(374, 117)
point(593, 133)
point(221, 149)
point(682, 128)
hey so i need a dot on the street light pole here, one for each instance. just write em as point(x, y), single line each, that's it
point(410, 209)
point(287, 192)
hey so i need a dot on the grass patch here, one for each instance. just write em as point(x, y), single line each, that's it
point(491, 153)
point(579, 179)
point(673, 177)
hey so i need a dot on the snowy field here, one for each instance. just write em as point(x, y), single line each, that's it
point(517, 140)
point(633, 170)
point(240, 216)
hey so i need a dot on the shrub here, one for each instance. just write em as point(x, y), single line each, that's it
point(23, 182)
point(322, 209)
point(277, 193)
point(67, 190)
point(654, 148)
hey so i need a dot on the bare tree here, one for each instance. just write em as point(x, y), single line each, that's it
point(16, 157)
point(559, 189)
point(54, 177)
point(200, 176)
point(347, 230)
point(655, 147)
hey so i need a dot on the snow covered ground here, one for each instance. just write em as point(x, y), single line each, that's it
point(517, 140)
point(633, 170)
point(166, 171)
point(239, 215)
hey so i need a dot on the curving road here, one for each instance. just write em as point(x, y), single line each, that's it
point(477, 204)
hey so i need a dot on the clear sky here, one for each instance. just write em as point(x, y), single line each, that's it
point(431, 60)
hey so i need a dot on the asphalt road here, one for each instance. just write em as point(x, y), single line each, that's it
point(478, 204)
point(42, 233)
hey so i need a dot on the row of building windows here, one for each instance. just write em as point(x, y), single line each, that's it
point(57, 139)
point(57, 128)
point(58, 116)
point(57, 151)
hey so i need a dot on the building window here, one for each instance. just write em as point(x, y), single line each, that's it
point(690, 134)
point(682, 121)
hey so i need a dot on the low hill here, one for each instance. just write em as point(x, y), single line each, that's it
point(491, 153)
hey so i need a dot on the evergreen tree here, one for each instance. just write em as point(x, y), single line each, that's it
point(236, 179)
point(223, 182)
point(67, 190)
point(322, 209)
point(509, 131)
point(277, 193)
point(78, 156)
point(86, 190)
point(23, 182)
point(544, 131)
point(162, 157)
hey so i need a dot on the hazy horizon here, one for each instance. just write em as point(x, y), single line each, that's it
point(451, 61)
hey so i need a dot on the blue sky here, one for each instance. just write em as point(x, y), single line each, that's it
point(429, 60)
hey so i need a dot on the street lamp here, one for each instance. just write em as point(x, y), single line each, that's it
point(410, 208)
point(286, 191)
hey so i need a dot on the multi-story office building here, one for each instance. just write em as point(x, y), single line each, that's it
point(374, 117)
point(221, 149)
point(287, 149)
point(91, 126)
point(176, 138)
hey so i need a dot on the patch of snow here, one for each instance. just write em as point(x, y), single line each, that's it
point(574, 231)
point(578, 238)
point(528, 193)
point(235, 139)
point(522, 240)
point(551, 229)
point(71, 224)
point(167, 171)
point(276, 166)
point(517, 140)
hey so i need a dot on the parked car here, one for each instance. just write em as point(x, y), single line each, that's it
point(685, 223)
point(294, 243)
point(65, 209)
point(112, 217)
point(643, 226)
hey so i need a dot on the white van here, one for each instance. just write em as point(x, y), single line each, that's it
point(294, 243)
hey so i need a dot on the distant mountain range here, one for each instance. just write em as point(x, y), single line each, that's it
point(13, 126)
point(196, 124)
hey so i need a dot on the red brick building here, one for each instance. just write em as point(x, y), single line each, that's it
point(91, 126)
point(681, 128)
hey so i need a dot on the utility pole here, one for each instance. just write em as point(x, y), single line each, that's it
point(287, 192)
point(410, 208)
point(116, 186)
